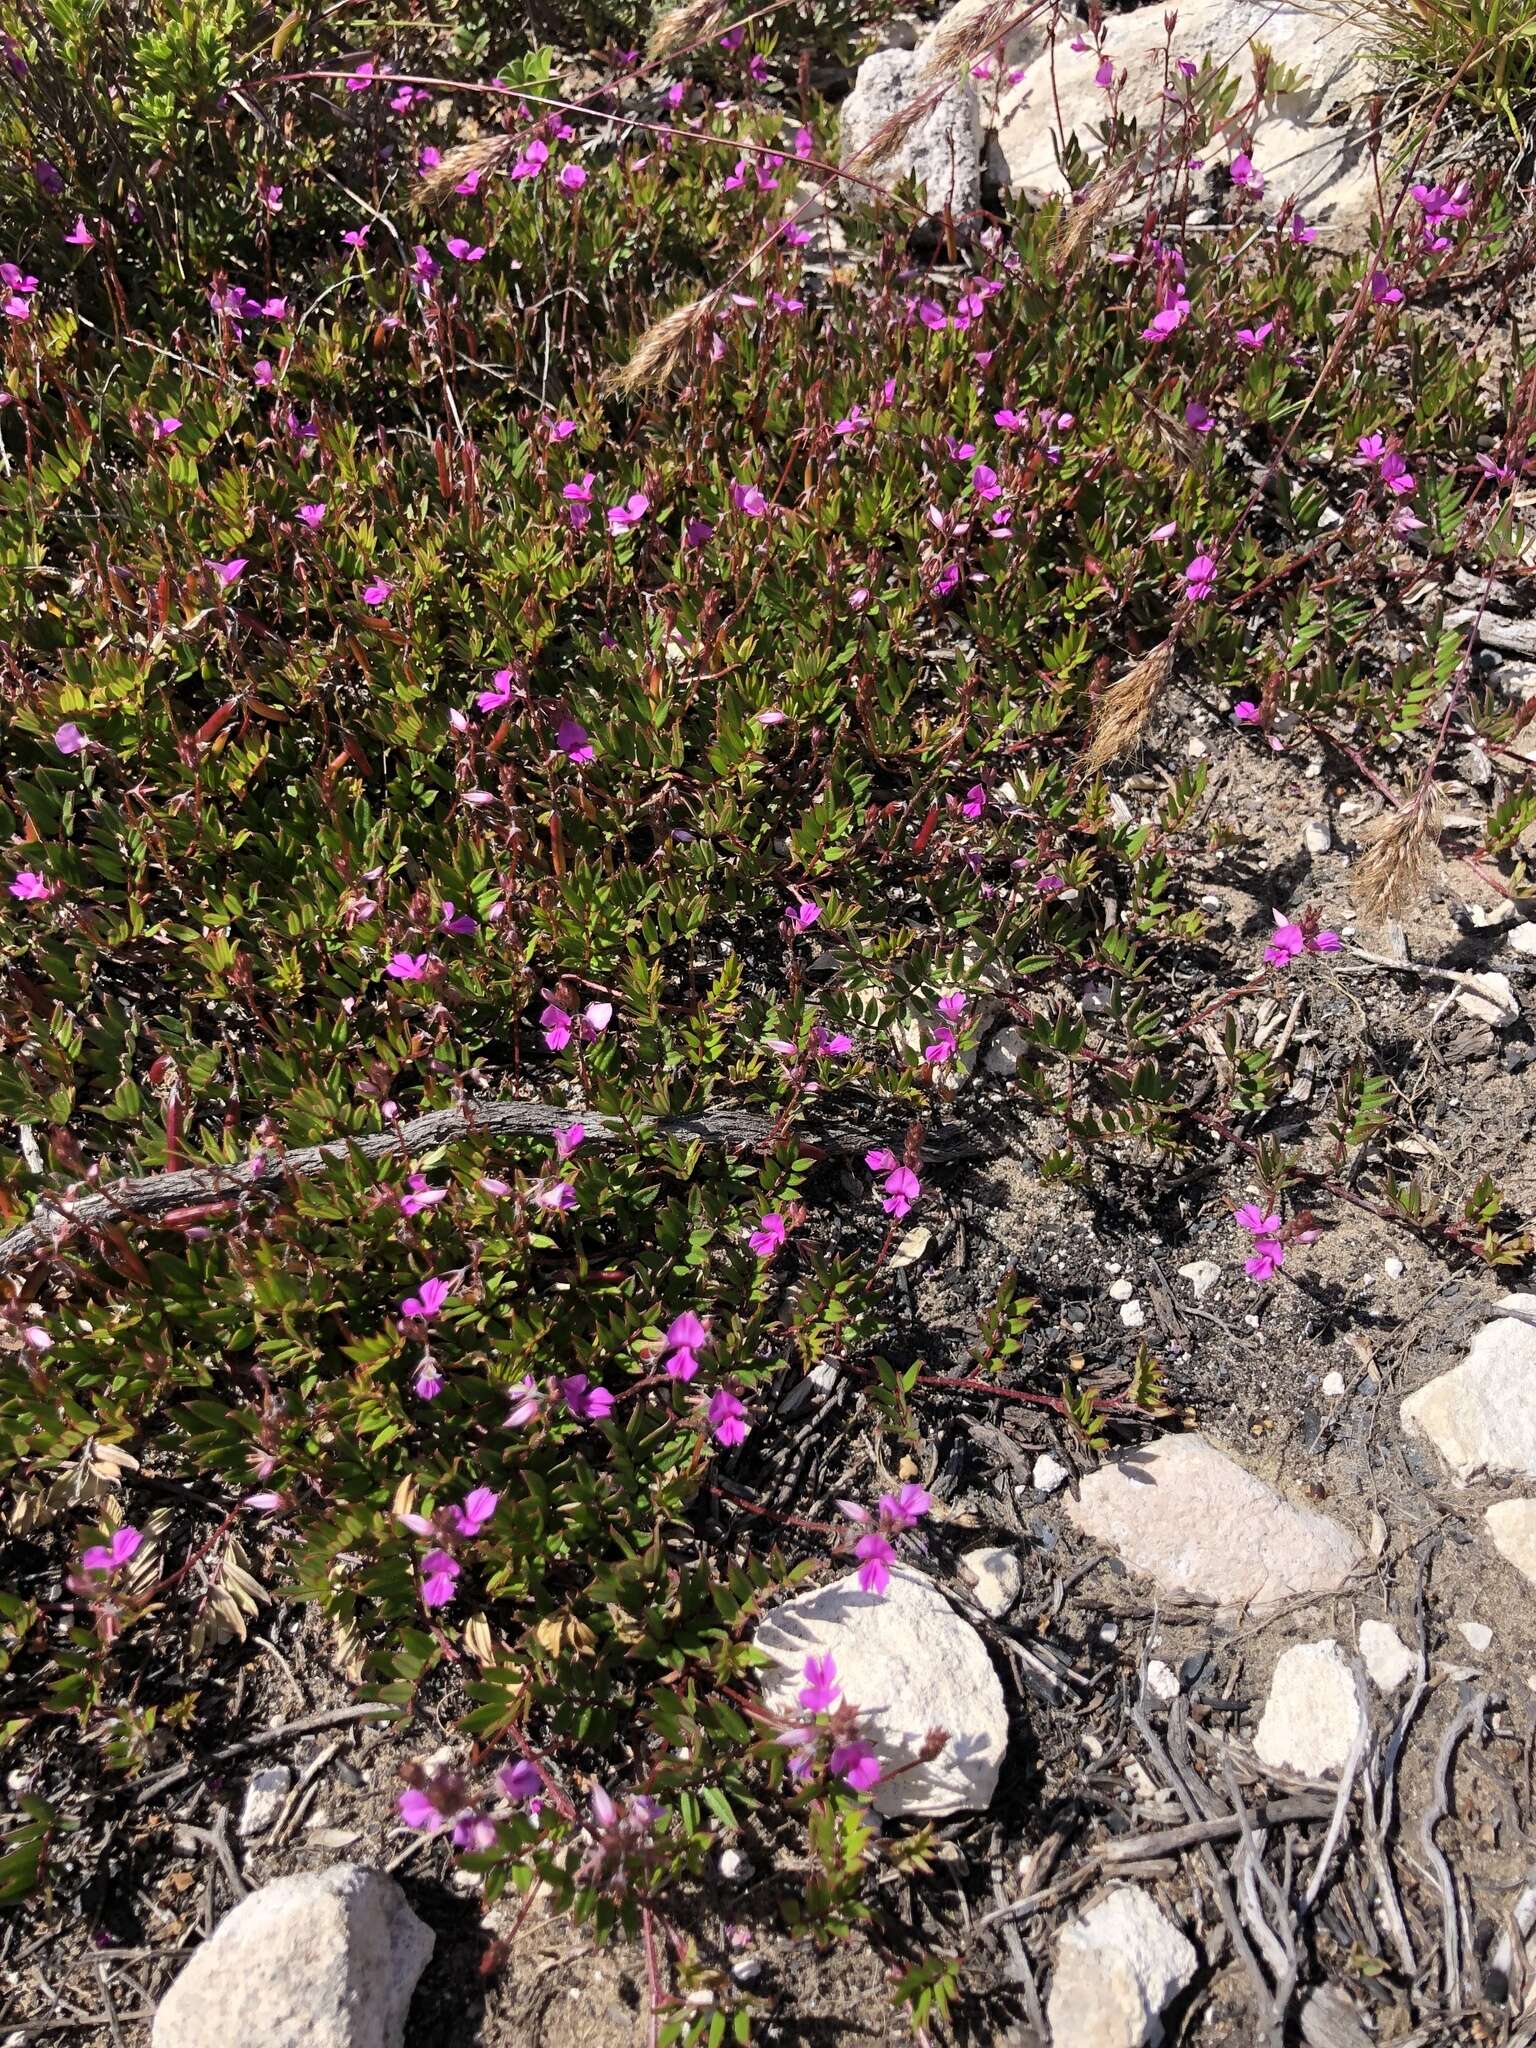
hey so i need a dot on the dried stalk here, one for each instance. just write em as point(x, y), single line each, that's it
point(662, 348)
point(489, 153)
point(1396, 868)
point(682, 28)
point(1126, 706)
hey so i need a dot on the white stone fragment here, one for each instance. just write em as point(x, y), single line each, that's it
point(1117, 1966)
point(265, 1792)
point(1313, 1714)
point(1048, 1474)
point(1202, 1275)
point(1481, 1415)
point(1386, 1657)
point(998, 1576)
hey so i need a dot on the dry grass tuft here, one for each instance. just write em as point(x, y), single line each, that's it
point(682, 28)
point(967, 33)
point(489, 153)
point(1402, 859)
point(1082, 215)
point(1126, 706)
point(662, 348)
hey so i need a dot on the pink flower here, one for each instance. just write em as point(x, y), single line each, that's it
point(1246, 712)
point(573, 741)
point(688, 1329)
point(113, 1555)
point(803, 915)
point(378, 592)
point(80, 236)
point(975, 801)
point(312, 515)
point(1200, 578)
point(902, 1189)
point(769, 1235)
point(1255, 1221)
point(423, 1306)
point(905, 1508)
point(439, 1576)
point(462, 251)
point(1105, 75)
point(560, 1026)
point(561, 430)
point(355, 238)
point(409, 966)
point(68, 738)
point(875, 1557)
point(1287, 944)
point(749, 499)
point(821, 1691)
point(459, 922)
point(420, 1194)
point(630, 513)
point(568, 1137)
point(166, 427)
point(1245, 177)
point(475, 1511)
point(1197, 417)
point(727, 1418)
point(1265, 1260)
point(589, 1404)
point(697, 532)
point(1383, 291)
point(572, 177)
point(1254, 337)
point(556, 1195)
point(230, 572)
point(1300, 231)
point(29, 887)
point(856, 1764)
point(521, 1780)
point(428, 1383)
point(940, 1049)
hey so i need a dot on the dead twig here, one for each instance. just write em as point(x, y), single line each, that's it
point(1471, 1716)
point(252, 1745)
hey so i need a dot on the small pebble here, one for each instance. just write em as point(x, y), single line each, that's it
point(1317, 838)
point(1202, 1275)
point(1162, 1680)
point(1476, 1636)
point(1133, 1315)
point(734, 1865)
point(1048, 1473)
point(1121, 1290)
point(1393, 1268)
point(1333, 1385)
point(265, 1792)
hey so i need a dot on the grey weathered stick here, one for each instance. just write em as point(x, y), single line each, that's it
point(269, 1738)
point(263, 1179)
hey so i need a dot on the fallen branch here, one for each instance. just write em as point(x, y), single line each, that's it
point(263, 1177)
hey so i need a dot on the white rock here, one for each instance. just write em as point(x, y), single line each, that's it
point(1512, 1526)
point(1121, 1290)
point(1490, 999)
point(1333, 1385)
point(1523, 940)
point(734, 1865)
point(1202, 1527)
point(910, 1663)
point(998, 1576)
point(943, 151)
point(1005, 1051)
point(327, 1959)
point(1477, 1636)
point(1117, 1966)
point(1313, 1714)
point(1162, 1680)
point(1393, 1268)
point(1326, 168)
point(1048, 1474)
point(1202, 1275)
point(1133, 1315)
point(1317, 838)
point(265, 1792)
point(1481, 1415)
point(1386, 1656)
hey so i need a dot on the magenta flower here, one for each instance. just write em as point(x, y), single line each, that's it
point(630, 513)
point(409, 966)
point(521, 1780)
point(875, 1557)
point(905, 1508)
point(166, 427)
point(1245, 177)
point(821, 1691)
point(1255, 1221)
point(230, 572)
point(419, 1195)
point(572, 739)
point(462, 251)
point(428, 1383)
point(1265, 1260)
point(688, 1329)
point(568, 1137)
point(80, 236)
point(355, 238)
point(1246, 712)
point(749, 499)
point(589, 1404)
point(500, 692)
point(68, 738)
point(1287, 943)
point(1300, 231)
point(378, 592)
point(29, 887)
point(727, 1418)
point(113, 1555)
point(1200, 578)
point(556, 1195)
point(476, 1509)
point(439, 1576)
point(423, 1306)
point(769, 1235)
point(454, 920)
point(1105, 75)
point(975, 801)
point(697, 532)
point(803, 914)
point(312, 515)
point(560, 1026)
point(1383, 291)
point(572, 177)
point(856, 1764)
point(1198, 417)
point(1254, 337)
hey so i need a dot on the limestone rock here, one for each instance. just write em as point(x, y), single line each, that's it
point(1049, 1473)
point(1522, 940)
point(1117, 1966)
point(910, 1663)
point(1313, 1714)
point(1481, 1415)
point(1326, 167)
point(998, 1575)
point(1490, 999)
point(1477, 1636)
point(1512, 1526)
point(265, 1792)
point(1386, 1657)
point(1201, 1526)
point(1202, 1275)
point(327, 1959)
point(943, 151)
